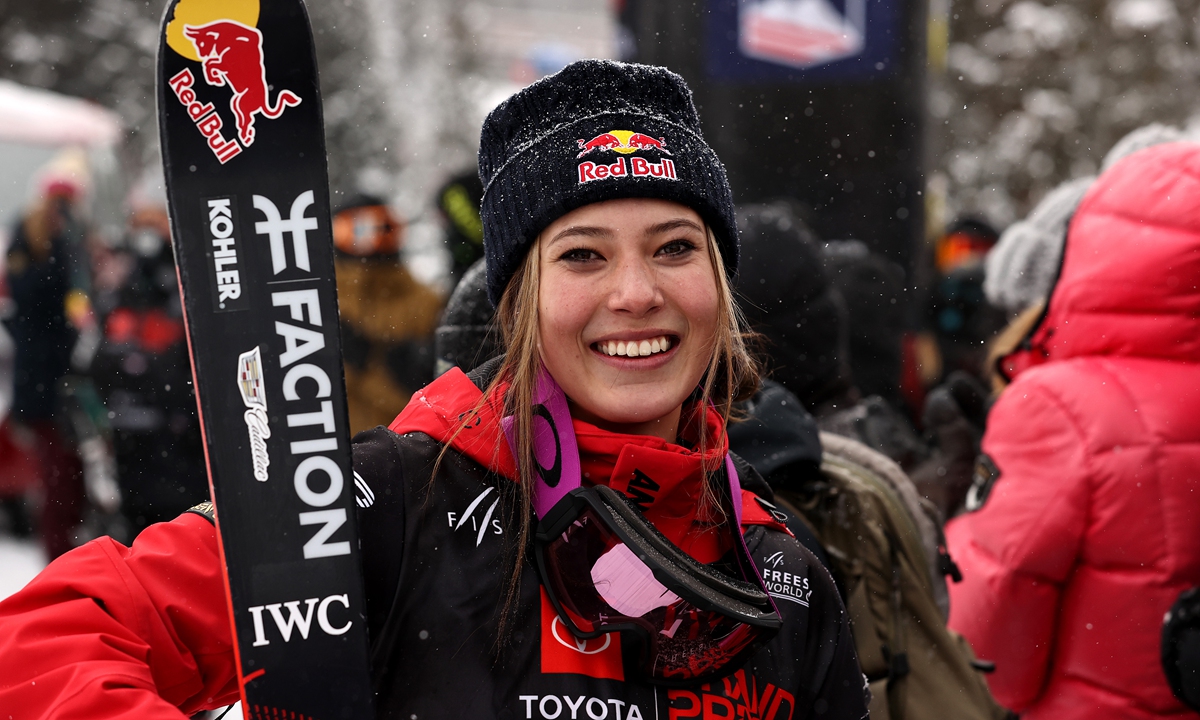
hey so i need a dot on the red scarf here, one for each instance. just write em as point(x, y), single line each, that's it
point(661, 477)
point(664, 479)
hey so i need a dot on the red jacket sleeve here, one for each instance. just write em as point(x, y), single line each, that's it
point(1018, 550)
point(107, 631)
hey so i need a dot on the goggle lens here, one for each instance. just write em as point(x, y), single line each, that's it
point(599, 584)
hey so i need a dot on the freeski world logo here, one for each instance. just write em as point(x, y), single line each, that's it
point(222, 36)
point(624, 142)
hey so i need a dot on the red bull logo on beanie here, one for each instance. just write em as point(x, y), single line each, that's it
point(222, 36)
point(624, 142)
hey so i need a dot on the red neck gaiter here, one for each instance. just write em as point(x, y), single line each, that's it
point(665, 480)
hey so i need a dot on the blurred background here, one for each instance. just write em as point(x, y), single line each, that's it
point(904, 135)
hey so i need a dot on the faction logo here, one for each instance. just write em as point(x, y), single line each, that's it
point(222, 36)
point(624, 142)
point(254, 396)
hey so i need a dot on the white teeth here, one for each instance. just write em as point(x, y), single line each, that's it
point(634, 348)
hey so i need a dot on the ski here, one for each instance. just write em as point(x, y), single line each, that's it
point(243, 151)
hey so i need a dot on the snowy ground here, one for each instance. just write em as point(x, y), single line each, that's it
point(20, 560)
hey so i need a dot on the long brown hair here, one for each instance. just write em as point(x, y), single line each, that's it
point(733, 374)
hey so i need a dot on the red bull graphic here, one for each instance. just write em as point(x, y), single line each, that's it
point(221, 36)
point(624, 142)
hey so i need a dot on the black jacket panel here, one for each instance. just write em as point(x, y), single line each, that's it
point(438, 556)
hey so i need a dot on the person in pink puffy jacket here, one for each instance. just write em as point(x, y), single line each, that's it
point(1085, 509)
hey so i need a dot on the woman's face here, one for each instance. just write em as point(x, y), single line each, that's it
point(627, 311)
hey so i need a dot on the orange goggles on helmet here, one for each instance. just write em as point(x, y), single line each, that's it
point(366, 231)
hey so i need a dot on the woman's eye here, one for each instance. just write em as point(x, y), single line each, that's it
point(677, 247)
point(579, 255)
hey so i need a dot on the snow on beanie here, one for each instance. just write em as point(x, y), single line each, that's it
point(1021, 269)
point(596, 130)
point(1023, 266)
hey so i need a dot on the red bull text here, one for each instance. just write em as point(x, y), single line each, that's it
point(634, 167)
point(624, 142)
point(231, 55)
point(208, 122)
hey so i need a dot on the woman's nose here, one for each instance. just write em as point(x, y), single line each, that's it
point(635, 289)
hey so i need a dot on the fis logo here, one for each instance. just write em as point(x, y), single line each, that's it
point(468, 518)
point(221, 36)
point(624, 142)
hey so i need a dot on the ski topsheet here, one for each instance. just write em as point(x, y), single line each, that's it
point(244, 153)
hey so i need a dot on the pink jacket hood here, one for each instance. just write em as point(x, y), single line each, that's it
point(1127, 285)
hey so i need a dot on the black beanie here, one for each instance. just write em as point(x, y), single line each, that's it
point(596, 130)
point(467, 335)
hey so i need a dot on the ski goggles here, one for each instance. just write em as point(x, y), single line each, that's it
point(605, 568)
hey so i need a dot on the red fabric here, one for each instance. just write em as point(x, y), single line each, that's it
point(19, 469)
point(449, 401)
point(107, 631)
point(1093, 527)
point(113, 632)
point(664, 479)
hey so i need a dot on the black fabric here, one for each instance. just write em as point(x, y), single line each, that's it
point(531, 149)
point(467, 335)
point(458, 201)
point(42, 336)
point(435, 582)
point(874, 292)
point(1181, 648)
point(787, 297)
point(777, 431)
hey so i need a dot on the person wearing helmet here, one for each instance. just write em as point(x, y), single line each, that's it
point(387, 315)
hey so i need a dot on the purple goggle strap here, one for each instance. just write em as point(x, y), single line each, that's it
point(556, 454)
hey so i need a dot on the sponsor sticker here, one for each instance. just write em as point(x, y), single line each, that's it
point(624, 142)
point(783, 585)
point(224, 39)
point(226, 263)
point(562, 652)
point(250, 383)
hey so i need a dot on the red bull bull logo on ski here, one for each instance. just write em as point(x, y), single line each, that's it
point(624, 142)
point(222, 36)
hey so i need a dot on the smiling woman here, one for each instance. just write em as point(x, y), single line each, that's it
point(627, 311)
point(563, 528)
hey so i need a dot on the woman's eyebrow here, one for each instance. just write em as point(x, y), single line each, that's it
point(580, 231)
point(675, 224)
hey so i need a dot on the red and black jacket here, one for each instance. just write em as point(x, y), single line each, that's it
point(108, 631)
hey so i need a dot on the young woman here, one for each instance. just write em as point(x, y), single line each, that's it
point(559, 534)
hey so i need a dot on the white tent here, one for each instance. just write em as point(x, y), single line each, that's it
point(40, 117)
point(36, 127)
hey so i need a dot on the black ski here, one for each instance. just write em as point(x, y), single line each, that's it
point(244, 153)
